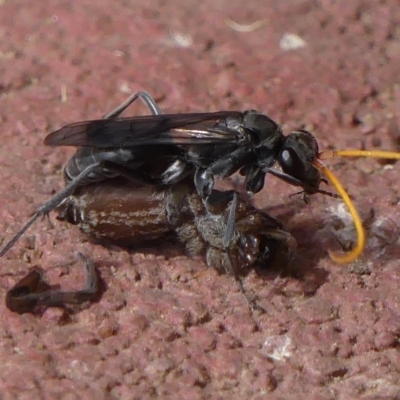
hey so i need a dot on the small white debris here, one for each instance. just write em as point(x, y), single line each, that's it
point(64, 94)
point(119, 53)
point(290, 41)
point(124, 88)
point(278, 347)
point(340, 210)
point(177, 39)
point(245, 28)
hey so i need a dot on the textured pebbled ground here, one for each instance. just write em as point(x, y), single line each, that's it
point(167, 326)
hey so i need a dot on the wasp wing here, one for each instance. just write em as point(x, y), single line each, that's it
point(182, 129)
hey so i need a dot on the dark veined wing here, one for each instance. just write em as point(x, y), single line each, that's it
point(197, 128)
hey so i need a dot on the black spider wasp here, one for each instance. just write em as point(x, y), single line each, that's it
point(210, 144)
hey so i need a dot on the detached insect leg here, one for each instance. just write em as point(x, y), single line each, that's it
point(51, 204)
point(32, 291)
point(144, 96)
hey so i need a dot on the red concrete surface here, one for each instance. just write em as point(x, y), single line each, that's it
point(166, 325)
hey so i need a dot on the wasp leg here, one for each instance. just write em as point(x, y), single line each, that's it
point(223, 167)
point(177, 171)
point(144, 96)
point(51, 204)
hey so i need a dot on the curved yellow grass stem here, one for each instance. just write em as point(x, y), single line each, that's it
point(358, 249)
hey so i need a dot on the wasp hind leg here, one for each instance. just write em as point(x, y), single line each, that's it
point(144, 96)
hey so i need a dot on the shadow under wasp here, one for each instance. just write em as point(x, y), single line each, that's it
point(165, 149)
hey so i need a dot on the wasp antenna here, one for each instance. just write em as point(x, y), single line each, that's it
point(391, 155)
point(358, 249)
